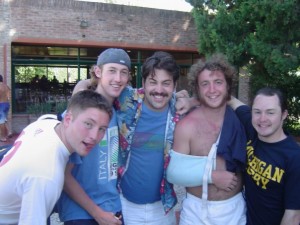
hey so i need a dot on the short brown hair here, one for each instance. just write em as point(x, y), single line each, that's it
point(83, 100)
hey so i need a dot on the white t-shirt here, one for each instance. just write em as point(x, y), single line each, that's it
point(32, 175)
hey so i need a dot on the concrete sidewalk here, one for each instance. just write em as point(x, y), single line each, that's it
point(54, 220)
point(9, 141)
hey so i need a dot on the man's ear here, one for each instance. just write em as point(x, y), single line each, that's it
point(284, 114)
point(98, 71)
point(143, 83)
point(67, 119)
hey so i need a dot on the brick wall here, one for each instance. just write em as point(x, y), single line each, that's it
point(108, 24)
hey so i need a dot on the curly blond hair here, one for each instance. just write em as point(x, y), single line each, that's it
point(217, 62)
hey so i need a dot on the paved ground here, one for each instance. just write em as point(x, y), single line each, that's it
point(55, 220)
point(9, 140)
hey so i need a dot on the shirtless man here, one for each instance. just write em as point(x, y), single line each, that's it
point(4, 108)
point(209, 150)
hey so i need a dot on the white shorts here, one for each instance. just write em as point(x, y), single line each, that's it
point(231, 211)
point(150, 214)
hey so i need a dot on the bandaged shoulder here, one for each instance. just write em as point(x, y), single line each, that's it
point(186, 170)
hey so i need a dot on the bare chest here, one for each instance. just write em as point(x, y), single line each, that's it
point(205, 135)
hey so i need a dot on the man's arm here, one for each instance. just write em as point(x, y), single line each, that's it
point(8, 93)
point(234, 103)
point(291, 217)
point(81, 85)
point(183, 135)
point(77, 193)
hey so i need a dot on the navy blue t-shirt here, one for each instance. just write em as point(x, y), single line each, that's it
point(272, 176)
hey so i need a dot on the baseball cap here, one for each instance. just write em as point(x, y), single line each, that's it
point(114, 55)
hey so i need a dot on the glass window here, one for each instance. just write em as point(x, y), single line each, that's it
point(44, 84)
point(44, 74)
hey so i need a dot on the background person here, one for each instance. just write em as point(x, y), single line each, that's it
point(4, 109)
point(32, 172)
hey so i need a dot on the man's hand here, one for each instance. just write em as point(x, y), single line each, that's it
point(107, 218)
point(182, 94)
point(224, 180)
point(184, 103)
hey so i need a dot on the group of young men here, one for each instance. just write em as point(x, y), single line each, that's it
point(138, 148)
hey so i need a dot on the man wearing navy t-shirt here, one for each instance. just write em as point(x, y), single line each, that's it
point(272, 177)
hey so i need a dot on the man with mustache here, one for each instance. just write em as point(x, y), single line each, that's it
point(147, 120)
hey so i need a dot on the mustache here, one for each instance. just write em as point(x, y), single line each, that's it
point(163, 94)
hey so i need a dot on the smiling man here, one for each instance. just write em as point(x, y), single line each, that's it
point(90, 194)
point(32, 172)
point(146, 133)
point(272, 177)
point(209, 150)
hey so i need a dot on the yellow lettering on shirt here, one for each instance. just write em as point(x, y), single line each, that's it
point(278, 174)
point(260, 171)
point(267, 172)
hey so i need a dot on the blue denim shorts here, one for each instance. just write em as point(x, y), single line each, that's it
point(4, 108)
